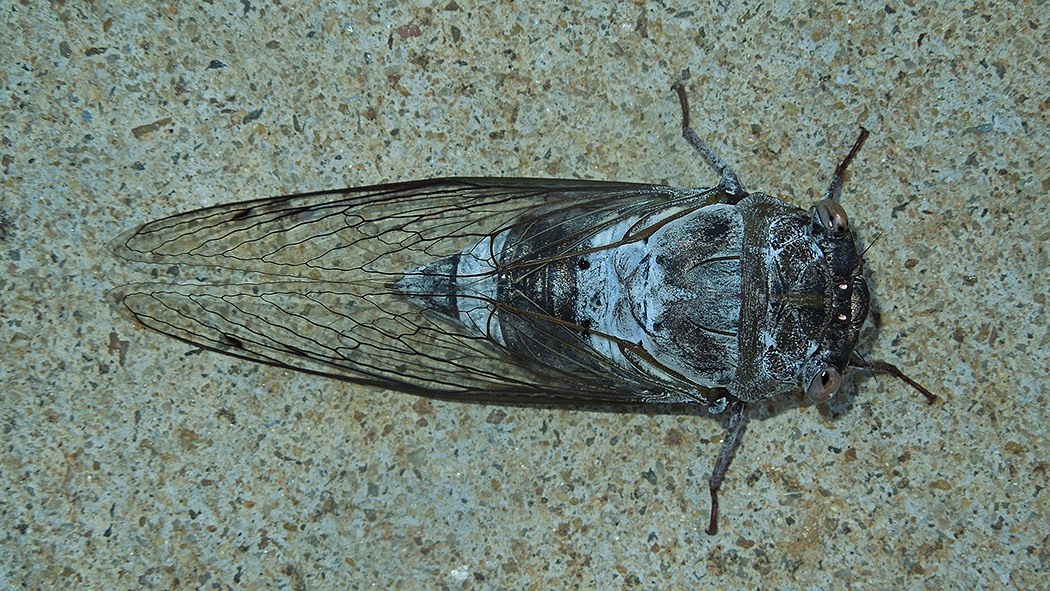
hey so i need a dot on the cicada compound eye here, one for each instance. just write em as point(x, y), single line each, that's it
point(832, 217)
point(824, 384)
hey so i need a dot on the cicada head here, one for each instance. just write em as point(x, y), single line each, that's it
point(846, 301)
point(804, 299)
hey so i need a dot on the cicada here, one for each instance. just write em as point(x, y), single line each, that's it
point(564, 292)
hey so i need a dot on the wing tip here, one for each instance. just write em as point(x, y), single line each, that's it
point(125, 246)
point(118, 299)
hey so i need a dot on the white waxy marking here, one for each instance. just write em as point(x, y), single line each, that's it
point(625, 293)
point(476, 277)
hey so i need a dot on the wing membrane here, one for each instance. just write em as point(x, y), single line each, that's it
point(307, 282)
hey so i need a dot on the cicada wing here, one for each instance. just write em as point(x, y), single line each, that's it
point(309, 282)
point(371, 230)
point(363, 335)
point(345, 330)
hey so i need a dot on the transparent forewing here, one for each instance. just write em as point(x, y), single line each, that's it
point(309, 282)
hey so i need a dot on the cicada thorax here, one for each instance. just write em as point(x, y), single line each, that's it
point(658, 297)
point(563, 301)
point(688, 294)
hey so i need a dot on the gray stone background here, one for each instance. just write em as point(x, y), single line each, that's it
point(131, 461)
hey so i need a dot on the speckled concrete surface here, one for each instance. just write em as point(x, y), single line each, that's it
point(131, 461)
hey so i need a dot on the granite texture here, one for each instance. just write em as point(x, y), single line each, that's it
point(133, 461)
